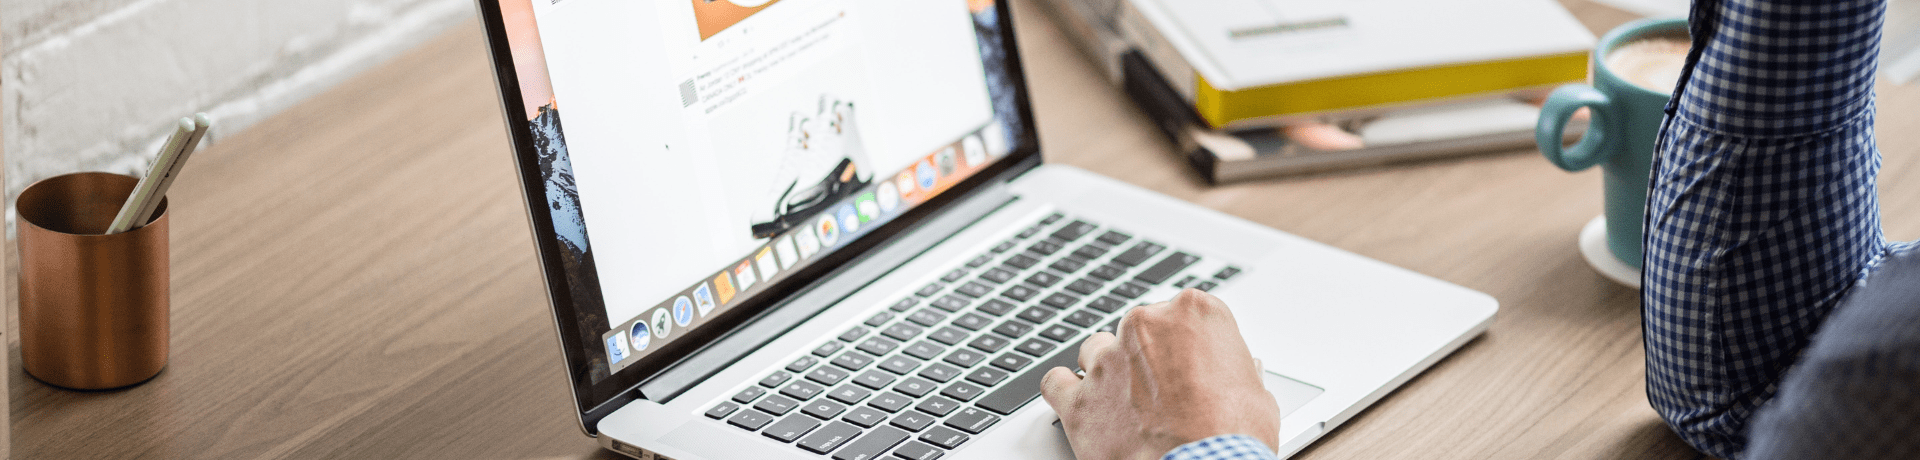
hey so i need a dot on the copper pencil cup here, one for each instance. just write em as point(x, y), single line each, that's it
point(93, 307)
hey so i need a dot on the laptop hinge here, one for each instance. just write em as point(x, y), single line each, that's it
point(830, 290)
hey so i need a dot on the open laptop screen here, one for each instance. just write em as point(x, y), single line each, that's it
point(696, 154)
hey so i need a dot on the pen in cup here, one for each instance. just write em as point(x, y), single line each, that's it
point(153, 185)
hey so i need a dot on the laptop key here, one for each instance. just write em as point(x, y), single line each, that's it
point(974, 289)
point(1111, 327)
point(1003, 247)
point(1185, 280)
point(972, 321)
point(1074, 230)
point(938, 406)
point(948, 335)
point(916, 450)
point(1114, 237)
point(775, 380)
point(852, 361)
point(1082, 318)
point(827, 349)
point(1051, 218)
point(1029, 232)
point(980, 260)
point(748, 395)
point(940, 372)
point(823, 409)
point(1035, 347)
point(902, 331)
point(1022, 261)
point(912, 421)
point(899, 365)
point(1206, 285)
point(1226, 273)
point(1045, 247)
point(1020, 292)
point(1085, 286)
point(962, 391)
point(801, 365)
point(914, 386)
point(722, 411)
point(1129, 290)
point(1166, 268)
point(924, 350)
point(1068, 265)
point(1016, 392)
point(1012, 362)
point(1090, 252)
point(952, 302)
point(802, 390)
point(954, 275)
point(849, 394)
point(1038, 314)
point(1107, 304)
point(988, 343)
point(1013, 329)
point(865, 417)
point(829, 437)
point(1060, 300)
point(996, 307)
point(751, 420)
point(1108, 272)
point(880, 319)
point(926, 317)
point(929, 290)
point(791, 428)
point(890, 402)
point(874, 379)
point(1043, 279)
point(776, 405)
point(965, 358)
point(853, 335)
point(971, 420)
point(1059, 333)
point(878, 346)
point(873, 444)
point(987, 376)
point(946, 438)
point(998, 275)
point(904, 304)
point(827, 375)
point(1139, 253)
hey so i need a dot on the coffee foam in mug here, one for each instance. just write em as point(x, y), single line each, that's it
point(1653, 63)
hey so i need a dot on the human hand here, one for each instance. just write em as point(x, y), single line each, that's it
point(1177, 372)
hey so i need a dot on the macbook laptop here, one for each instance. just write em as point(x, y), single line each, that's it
point(801, 229)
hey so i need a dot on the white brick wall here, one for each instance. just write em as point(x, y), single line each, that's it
point(92, 85)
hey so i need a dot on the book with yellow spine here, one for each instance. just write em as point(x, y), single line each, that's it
point(1265, 62)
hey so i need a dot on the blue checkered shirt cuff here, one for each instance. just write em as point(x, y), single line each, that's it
point(1223, 447)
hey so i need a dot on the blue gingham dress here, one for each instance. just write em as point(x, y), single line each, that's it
point(1762, 212)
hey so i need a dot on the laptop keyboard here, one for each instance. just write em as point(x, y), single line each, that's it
point(944, 363)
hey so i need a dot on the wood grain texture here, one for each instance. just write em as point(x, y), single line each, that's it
point(353, 279)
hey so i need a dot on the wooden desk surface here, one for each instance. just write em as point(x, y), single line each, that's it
point(353, 279)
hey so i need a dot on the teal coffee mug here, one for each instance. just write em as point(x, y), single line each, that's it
point(1626, 112)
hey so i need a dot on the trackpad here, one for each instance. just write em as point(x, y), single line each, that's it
point(1289, 393)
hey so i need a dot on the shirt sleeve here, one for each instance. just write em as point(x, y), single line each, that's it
point(1223, 447)
point(1762, 209)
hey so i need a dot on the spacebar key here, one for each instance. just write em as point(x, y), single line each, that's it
point(873, 445)
point(1015, 393)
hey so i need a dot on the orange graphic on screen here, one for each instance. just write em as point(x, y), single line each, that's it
point(717, 15)
point(723, 287)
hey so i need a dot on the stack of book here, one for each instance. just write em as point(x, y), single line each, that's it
point(1259, 88)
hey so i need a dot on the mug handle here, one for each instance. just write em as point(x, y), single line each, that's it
point(1551, 130)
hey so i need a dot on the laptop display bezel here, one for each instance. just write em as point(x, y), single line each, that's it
point(588, 394)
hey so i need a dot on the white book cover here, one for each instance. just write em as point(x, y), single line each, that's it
point(1239, 44)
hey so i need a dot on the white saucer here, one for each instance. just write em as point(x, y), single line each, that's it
point(1593, 245)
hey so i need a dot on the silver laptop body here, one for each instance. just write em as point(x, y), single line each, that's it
point(875, 301)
